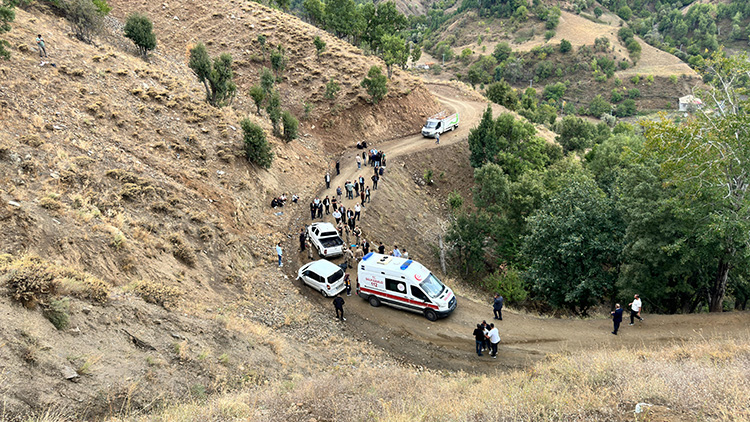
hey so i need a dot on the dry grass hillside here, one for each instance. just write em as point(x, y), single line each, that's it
point(131, 220)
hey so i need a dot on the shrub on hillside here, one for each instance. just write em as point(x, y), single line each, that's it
point(140, 30)
point(507, 282)
point(86, 17)
point(279, 61)
point(157, 293)
point(7, 15)
point(182, 251)
point(217, 77)
point(320, 45)
point(332, 89)
point(274, 111)
point(291, 126)
point(502, 93)
point(58, 313)
point(258, 95)
point(376, 84)
point(257, 149)
point(565, 46)
point(30, 282)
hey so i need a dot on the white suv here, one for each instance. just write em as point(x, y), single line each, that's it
point(323, 276)
point(326, 239)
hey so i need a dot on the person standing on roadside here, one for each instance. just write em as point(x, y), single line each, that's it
point(367, 194)
point(302, 238)
point(362, 196)
point(328, 180)
point(479, 336)
point(497, 307)
point(635, 309)
point(348, 284)
point(309, 249)
point(616, 317)
point(365, 246)
point(279, 252)
point(327, 204)
point(359, 162)
point(40, 44)
point(338, 303)
point(338, 165)
point(381, 248)
point(437, 139)
point(338, 192)
point(313, 210)
point(375, 179)
point(357, 211)
point(494, 337)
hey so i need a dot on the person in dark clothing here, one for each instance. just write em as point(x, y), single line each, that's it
point(342, 210)
point(320, 210)
point(328, 181)
point(375, 179)
point(327, 204)
point(348, 285)
point(367, 194)
point(486, 329)
point(338, 164)
point(616, 317)
point(381, 171)
point(302, 239)
point(356, 190)
point(365, 246)
point(362, 196)
point(361, 181)
point(497, 306)
point(479, 337)
point(382, 159)
point(313, 209)
point(338, 303)
point(334, 203)
point(381, 248)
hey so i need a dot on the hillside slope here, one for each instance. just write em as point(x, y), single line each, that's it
point(127, 202)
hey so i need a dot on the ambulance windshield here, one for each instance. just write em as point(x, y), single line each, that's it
point(432, 286)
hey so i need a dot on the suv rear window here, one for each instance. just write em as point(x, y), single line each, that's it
point(338, 275)
point(328, 234)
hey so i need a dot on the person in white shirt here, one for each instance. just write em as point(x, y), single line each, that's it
point(396, 252)
point(494, 337)
point(357, 211)
point(405, 254)
point(635, 309)
point(279, 253)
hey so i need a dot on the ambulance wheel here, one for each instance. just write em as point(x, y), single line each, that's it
point(374, 301)
point(430, 314)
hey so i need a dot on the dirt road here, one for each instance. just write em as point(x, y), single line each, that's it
point(448, 343)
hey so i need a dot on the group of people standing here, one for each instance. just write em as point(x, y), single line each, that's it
point(635, 313)
point(487, 338)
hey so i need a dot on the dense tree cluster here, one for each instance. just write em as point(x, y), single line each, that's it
point(664, 213)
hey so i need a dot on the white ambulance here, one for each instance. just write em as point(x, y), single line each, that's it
point(403, 284)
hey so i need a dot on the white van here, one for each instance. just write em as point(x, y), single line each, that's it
point(403, 284)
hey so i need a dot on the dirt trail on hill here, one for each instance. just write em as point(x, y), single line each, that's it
point(448, 344)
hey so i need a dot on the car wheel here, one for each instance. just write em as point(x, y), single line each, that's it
point(323, 292)
point(374, 301)
point(430, 314)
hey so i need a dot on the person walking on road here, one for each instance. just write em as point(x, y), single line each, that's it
point(375, 179)
point(338, 192)
point(437, 139)
point(616, 317)
point(338, 303)
point(279, 252)
point(497, 306)
point(479, 337)
point(494, 338)
point(635, 309)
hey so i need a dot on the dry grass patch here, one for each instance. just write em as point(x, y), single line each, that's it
point(156, 293)
point(182, 250)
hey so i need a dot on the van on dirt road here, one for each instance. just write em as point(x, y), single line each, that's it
point(439, 123)
point(403, 284)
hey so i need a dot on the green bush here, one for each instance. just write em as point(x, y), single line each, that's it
point(565, 46)
point(258, 95)
point(332, 89)
point(320, 45)
point(140, 30)
point(291, 126)
point(634, 93)
point(274, 111)
point(375, 84)
point(58, 313)
point(257, 149)
point(507, 282)
point(217, 77)
point(87, 19)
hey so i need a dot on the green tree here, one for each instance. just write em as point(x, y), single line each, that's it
point(258, 95)
point(565, 46)
point(291, 126)
point(502, 93)
point(575, 134)
point(394, 52)
point(262, 42)
point(376, 84)
point(279, 61)
point(217, 77)
point(416, 53)
point(320, 45)
point(87, 19)
point(273, 108)
point(502, 51)
point(314, 11)
point(707, 160)
point(257, 149)
point(140, 30)
point(7, 15)
point(267, 81)
point(341, 18)
point(599, 106)
point(332, 89)
point(598, 12)
point(625, 13)
point(482, 141)
point(573, 246)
